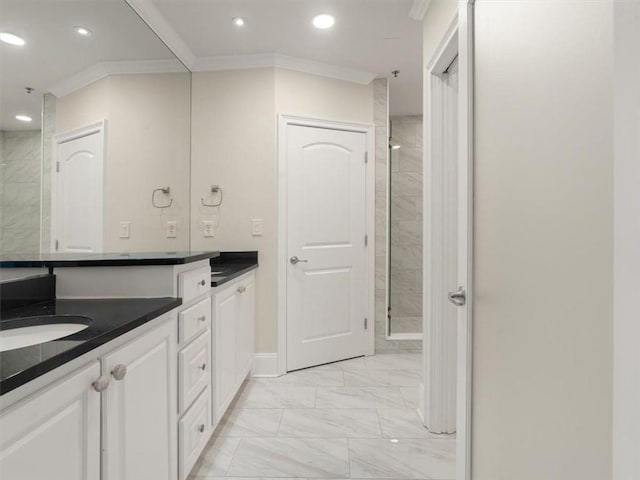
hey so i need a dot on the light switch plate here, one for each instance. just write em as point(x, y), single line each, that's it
point(256, 227)
point(172, 229)
point(207, 228)
point(125, 229)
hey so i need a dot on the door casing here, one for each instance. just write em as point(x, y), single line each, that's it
point(458, 39)
point(368, 129)
point(97, 127)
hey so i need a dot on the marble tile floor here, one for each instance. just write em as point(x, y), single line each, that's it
point(355, 419)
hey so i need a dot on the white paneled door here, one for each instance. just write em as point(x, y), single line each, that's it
point(326, 251)
point(77, 191)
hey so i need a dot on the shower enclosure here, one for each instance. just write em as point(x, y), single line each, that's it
point(404, 309)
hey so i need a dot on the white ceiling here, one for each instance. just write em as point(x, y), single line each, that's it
point(372, 35)
point(54, 52)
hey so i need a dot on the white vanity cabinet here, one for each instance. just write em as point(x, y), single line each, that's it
point(139, 408)
point(234, 334)
point(55, 433)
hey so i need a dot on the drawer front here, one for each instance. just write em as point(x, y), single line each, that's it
point(194, 370)
point(194, 430)
point(194, 320)
point(194, 283)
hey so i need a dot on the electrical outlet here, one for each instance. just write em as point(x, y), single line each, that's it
point(125, 229)
point(172, 229)
point(256, 227)
point(207, 228)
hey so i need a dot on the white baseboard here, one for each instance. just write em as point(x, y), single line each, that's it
point(265, 365)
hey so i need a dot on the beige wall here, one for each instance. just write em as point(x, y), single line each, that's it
point(148, 146)
point(542, 386)
point(234, 145)
point(626, 423)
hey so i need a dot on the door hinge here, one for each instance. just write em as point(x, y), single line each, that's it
point(58, 167)
point(366, 157)
point(366, 323)
point(56, 245)
point(366, 240)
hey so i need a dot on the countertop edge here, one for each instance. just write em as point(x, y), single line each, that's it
point(233, 276)
point(23, 377)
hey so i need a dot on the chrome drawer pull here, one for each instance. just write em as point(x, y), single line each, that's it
point(202, 318)
point(203, 367)
point(202, 282)
point(201, 428)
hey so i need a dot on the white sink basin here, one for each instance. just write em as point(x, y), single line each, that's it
point(18, 337)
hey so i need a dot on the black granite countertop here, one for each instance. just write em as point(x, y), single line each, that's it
point(110, 318)
point(124, 259)
point(230, 265)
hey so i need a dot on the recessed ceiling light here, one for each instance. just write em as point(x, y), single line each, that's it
point(323, 21)
point(23, 118)
point(238, 21)
point(11, 39)
point(82, 31)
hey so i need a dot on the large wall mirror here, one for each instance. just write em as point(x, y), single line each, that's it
point(95, 115)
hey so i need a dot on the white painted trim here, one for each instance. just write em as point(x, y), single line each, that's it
point(276, 60)
point(405, 336)
point(437, 405)
point(463, 25)
point(97, 127)
point(419, 9)
point(265, 365)
point(104, 69)
point(369, 130)
point(148, 12)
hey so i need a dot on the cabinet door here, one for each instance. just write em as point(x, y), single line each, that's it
point(245, 327)
point(54, 434)
point(140, 424)
point(226, 317)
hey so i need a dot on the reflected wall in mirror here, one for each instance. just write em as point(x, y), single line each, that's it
point(94, 116)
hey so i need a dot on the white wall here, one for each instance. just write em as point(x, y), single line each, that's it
point(626, 407)
point(234, 145)
point(542, 387)
point(148, 146)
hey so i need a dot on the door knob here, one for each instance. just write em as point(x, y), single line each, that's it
point(459, 297)
point(295, 260)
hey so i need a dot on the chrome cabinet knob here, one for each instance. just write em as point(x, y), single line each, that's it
point(101, 383)
point(202, 282)
point(294, 260)
point(202, 318)
point(242, 289)
point(119, 371)
point(203, 367)
point(459, 297)
point(201, 428)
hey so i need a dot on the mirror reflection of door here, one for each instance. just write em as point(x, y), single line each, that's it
point(77, 191)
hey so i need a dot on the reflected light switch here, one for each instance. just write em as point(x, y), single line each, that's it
point(125, 229)
point(256, 227)
point(172, 229)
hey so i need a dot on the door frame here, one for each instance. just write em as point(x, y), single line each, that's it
point(284, 121)
point(58, 139)
point(459, 37)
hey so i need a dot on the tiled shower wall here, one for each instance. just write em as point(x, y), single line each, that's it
point(20, 191)
point(381, 118)
point(406, 226)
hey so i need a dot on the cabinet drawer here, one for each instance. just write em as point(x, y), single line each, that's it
point(194, 370)
point(194, 320)
point(194, 430)
point(194, 283)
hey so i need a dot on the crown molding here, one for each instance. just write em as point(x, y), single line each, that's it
point(148, 12)
point(419, 9)
point(104, 69)
point(276, 60)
